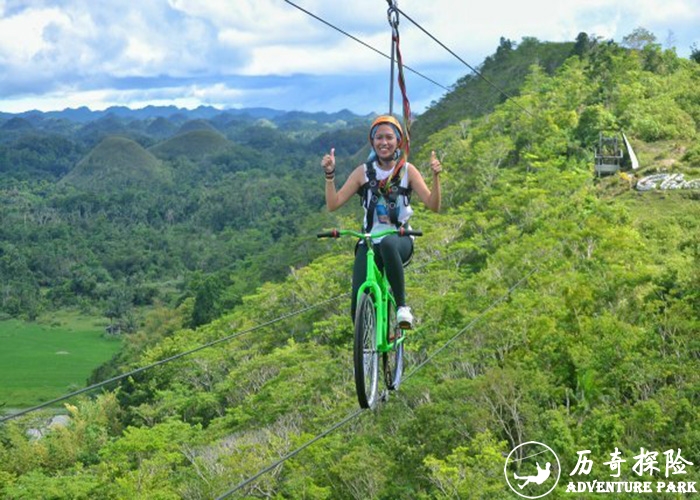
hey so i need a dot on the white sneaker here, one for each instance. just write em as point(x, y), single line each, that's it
point(404, 317)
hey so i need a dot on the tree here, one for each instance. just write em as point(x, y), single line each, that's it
point(638, 39)
point(120, 310)
point(583, 44)
point(207, 290)
point(695, 53)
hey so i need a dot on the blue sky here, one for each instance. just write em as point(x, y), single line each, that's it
point(265, 53)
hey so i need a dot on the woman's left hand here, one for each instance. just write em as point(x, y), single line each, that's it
point(435, 164)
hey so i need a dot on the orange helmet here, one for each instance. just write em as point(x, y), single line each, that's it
point(389, 120)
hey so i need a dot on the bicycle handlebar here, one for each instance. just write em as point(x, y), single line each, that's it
point(337, 233)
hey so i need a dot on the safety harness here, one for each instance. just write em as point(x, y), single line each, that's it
point(373, 190)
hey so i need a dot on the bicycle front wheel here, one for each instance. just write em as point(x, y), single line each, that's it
point(365, 352)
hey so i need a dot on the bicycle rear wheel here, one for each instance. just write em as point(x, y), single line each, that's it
point(393, 360)
point(365, 352)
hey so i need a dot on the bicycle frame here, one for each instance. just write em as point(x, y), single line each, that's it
point(376, 282)
point(376, 306)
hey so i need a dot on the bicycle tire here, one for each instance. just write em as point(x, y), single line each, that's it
point(365, 352)
point(393, 360)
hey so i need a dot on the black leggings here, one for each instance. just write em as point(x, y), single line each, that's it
point(393, 252)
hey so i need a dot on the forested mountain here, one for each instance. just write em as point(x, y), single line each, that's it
point(572, 303)
point(157, 205)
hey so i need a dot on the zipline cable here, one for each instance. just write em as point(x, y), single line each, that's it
point(168, 359)
point(364, 43)
point(473, 69)
point(279, 462)
point(477, 72)
point(472, 322)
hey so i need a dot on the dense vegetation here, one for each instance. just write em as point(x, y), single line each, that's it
point(501, 75)
point(576, 301)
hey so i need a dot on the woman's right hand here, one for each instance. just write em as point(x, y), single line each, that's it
point(328, 162)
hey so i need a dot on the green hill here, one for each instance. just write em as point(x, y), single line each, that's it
point(193, 125)
point(117, 163)
point(17, 124)
point(160, 128)
point(194, 145)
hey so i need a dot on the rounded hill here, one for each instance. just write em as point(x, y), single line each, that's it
point(194, 145)
point(116, 163)
point(17, 124)
point(160, 128)
point(192, 125)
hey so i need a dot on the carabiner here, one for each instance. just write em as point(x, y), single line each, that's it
point(392, 14)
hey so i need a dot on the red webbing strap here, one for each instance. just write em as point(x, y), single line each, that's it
point(404, 95)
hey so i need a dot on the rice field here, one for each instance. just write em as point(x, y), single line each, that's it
point(42, 360)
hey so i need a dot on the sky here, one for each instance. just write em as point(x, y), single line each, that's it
point(266, 53)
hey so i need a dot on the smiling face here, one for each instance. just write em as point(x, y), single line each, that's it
point(385, 142)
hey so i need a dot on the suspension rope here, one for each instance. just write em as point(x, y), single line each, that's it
point(169, 359)
point(339, 30)
point(393, 17)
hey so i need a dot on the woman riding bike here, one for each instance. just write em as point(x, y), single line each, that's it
point(385, 184)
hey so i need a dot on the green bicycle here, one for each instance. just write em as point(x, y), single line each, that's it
point(376, 329)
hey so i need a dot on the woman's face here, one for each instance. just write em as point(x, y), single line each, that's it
point(385, 142)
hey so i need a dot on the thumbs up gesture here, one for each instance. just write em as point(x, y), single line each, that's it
point(328, 162)
point(435, 164)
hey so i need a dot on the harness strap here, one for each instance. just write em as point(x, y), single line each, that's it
point(372, 191)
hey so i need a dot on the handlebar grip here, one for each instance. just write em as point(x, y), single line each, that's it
point(329, 234)
point(409, 232)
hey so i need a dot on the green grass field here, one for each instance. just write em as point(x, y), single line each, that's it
point(42, 360)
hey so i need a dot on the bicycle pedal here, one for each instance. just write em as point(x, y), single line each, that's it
point(406, 325)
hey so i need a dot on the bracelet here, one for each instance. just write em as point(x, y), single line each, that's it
point(329, 174)
point(330, 179)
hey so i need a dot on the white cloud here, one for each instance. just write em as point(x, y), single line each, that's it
point(48, 46)
point(22, 36)
point(189, 96)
